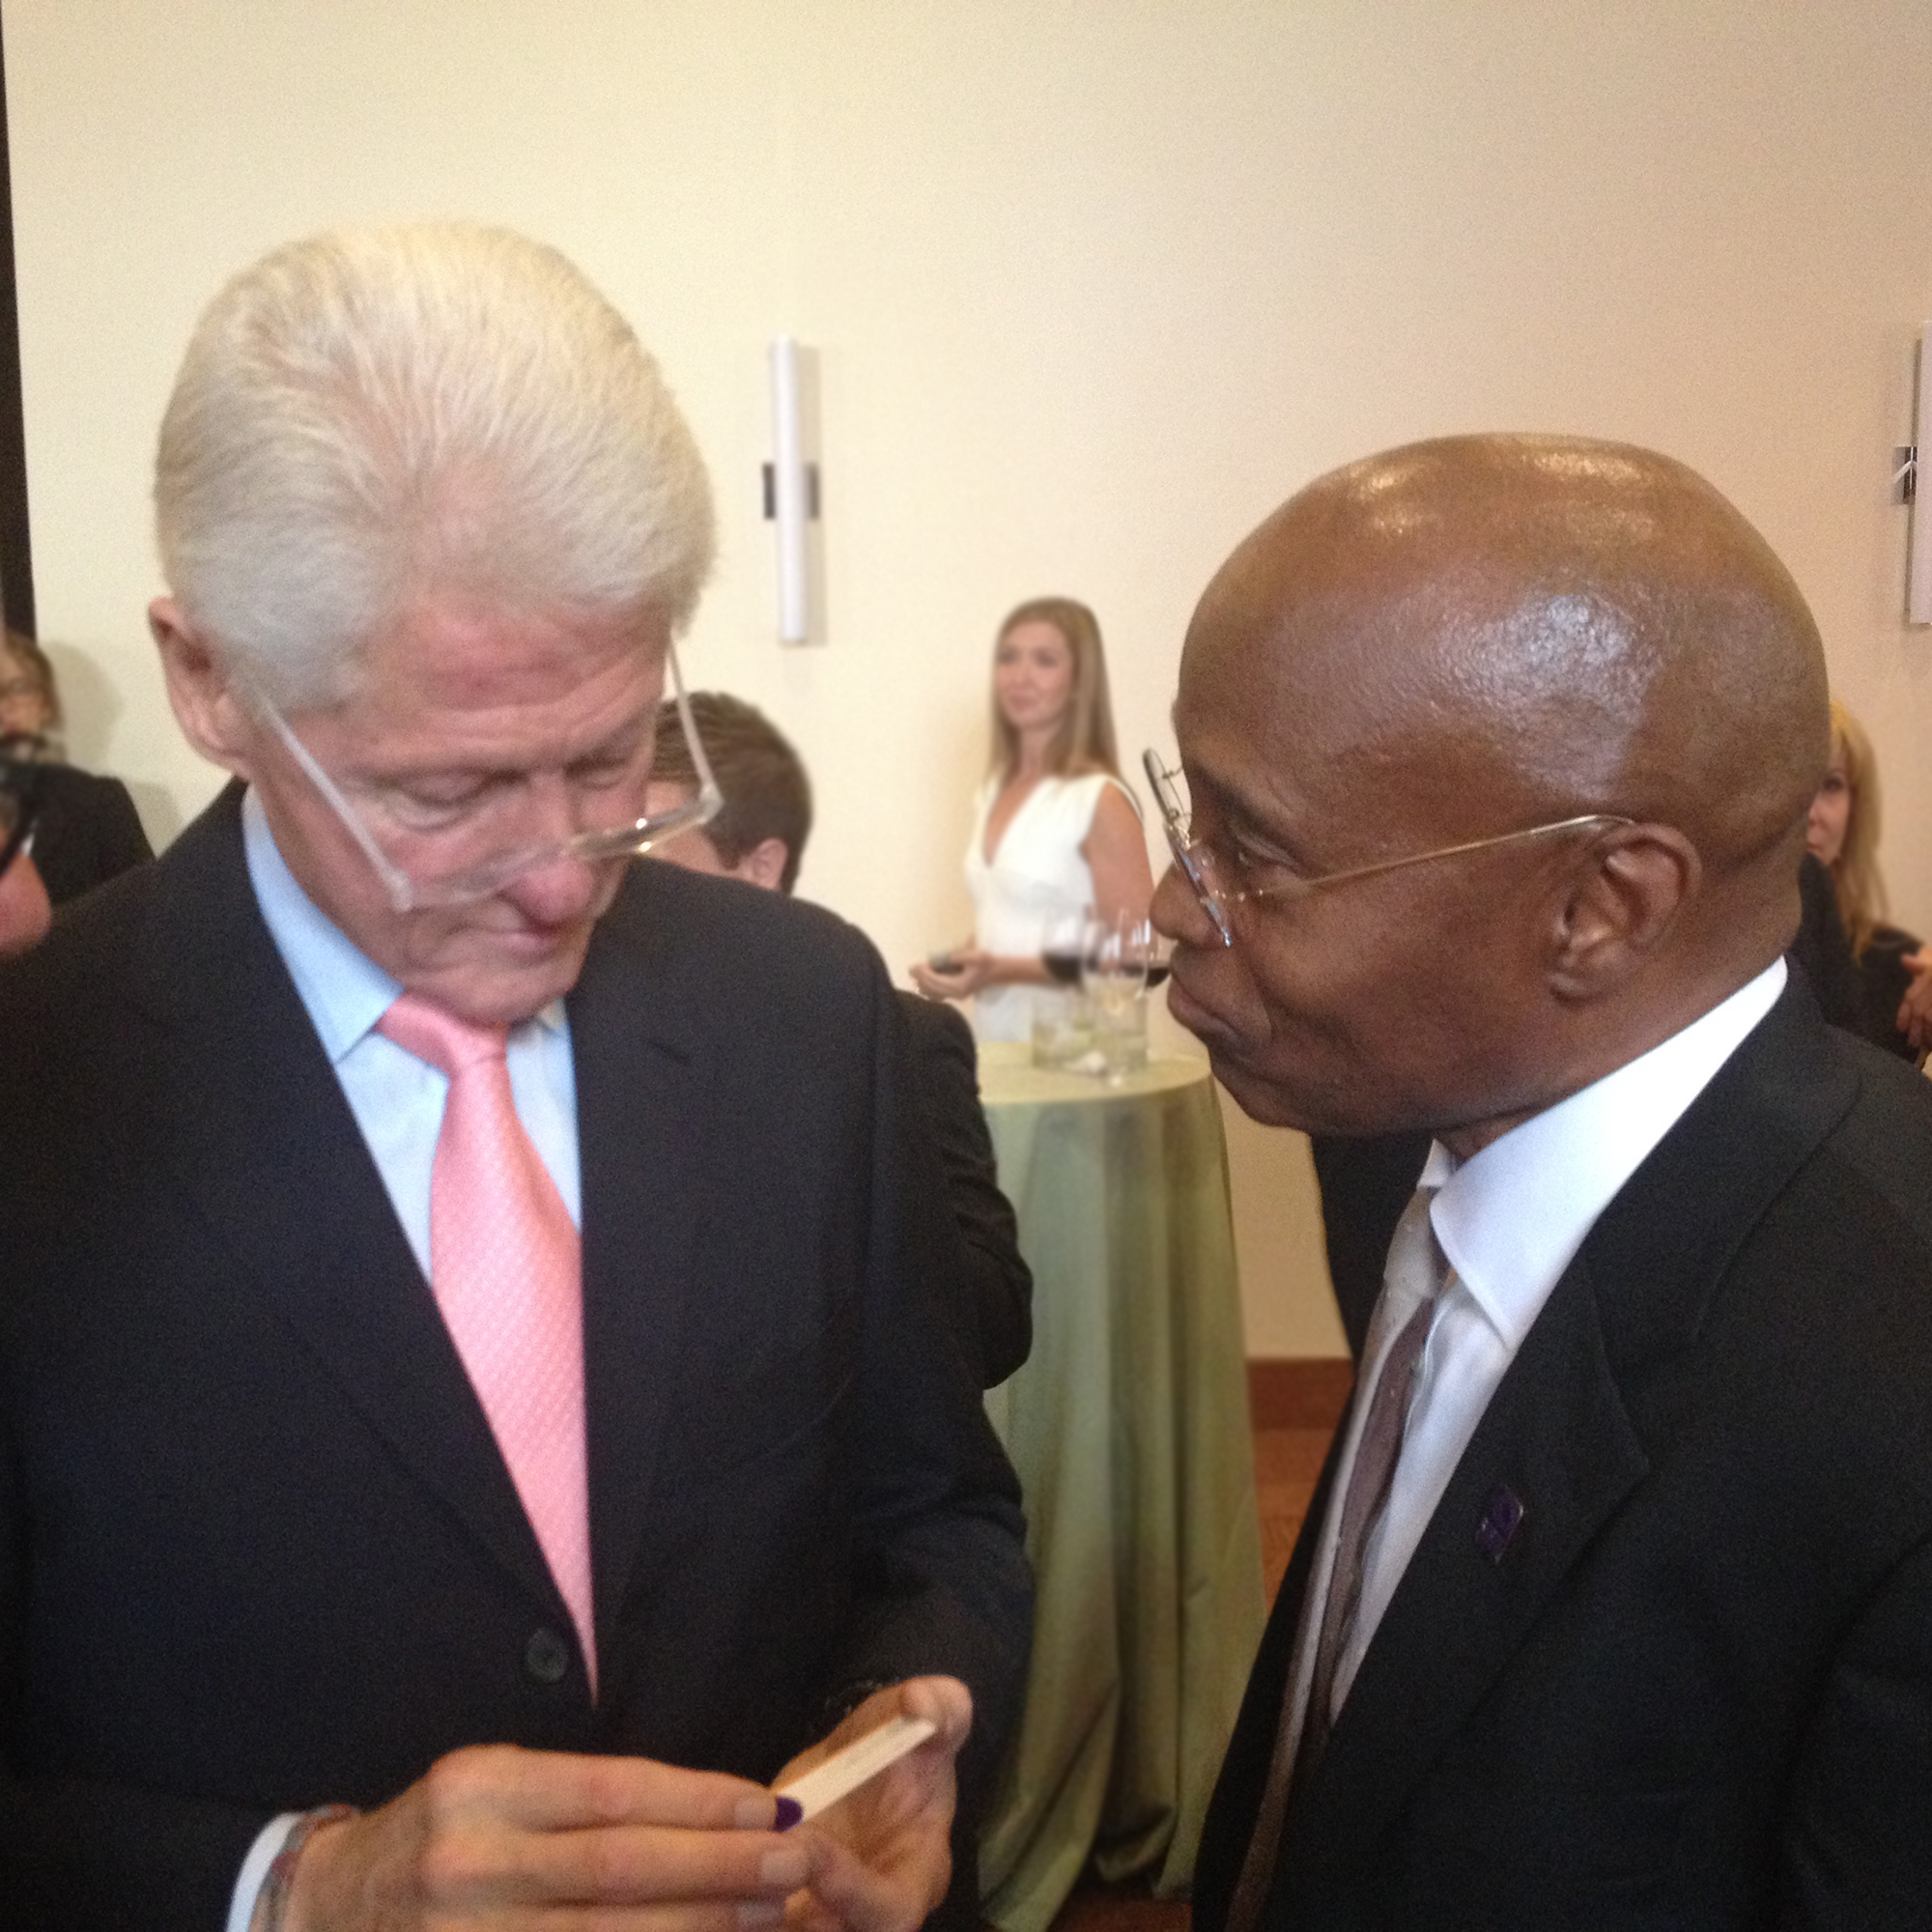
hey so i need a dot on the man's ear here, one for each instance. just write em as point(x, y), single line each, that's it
point(206, 704)
point(1621, 908)
point(764, 865)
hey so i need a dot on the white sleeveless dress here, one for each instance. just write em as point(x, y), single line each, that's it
point(1038, 870)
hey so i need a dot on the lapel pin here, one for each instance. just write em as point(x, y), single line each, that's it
point(1502, 1517)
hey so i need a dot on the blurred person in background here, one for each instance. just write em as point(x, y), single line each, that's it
point(1055, 830)
point(1894, 968)
point(758, 835)
point(87, 830)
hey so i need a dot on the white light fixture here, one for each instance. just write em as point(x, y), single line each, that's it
point(1919, 583)
point(791, 485)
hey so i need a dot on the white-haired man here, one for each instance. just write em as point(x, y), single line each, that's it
point(469, 1349)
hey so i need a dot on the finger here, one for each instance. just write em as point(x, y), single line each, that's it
point(943, 1702)
point(757, 1916)
point(548, 1791)
point(628, 1866)
point(891, 1894)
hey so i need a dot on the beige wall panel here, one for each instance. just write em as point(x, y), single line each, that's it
point(1095, 283)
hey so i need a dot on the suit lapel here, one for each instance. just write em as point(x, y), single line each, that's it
point(1563, 1434)
point(1557, 1439)
point(639, 1073)
point(266, 1147)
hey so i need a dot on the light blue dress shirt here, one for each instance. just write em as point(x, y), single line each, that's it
point(398, 1101)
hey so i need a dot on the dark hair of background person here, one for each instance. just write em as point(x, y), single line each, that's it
point(767, 794)
point(34, 662)
point(1085, 741)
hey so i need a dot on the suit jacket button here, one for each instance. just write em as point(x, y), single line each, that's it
point(545, 1656)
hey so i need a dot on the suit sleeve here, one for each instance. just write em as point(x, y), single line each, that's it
point(943, 1583)
point(1000, 1284)
point(1823, 953)
point(1858, 1837)
point(76, 1854)
point(123, 843)
point(89, 833)
point(80, 1855)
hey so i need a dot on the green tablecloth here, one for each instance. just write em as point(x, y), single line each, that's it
point(1130, 1429)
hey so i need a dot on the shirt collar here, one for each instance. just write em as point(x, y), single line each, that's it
point(344, 990)
point(1511, 1218)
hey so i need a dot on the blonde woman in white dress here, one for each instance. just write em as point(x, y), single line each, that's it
point(1055, 830)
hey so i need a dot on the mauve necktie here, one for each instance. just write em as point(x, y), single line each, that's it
point(1410, 1284)
point(506, 1268)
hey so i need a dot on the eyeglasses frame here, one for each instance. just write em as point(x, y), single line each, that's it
point(406, 894)
point(1214, 900)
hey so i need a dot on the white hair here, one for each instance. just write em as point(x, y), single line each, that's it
point(373, 415)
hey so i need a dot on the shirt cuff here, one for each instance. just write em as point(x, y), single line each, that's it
point(261, 1854)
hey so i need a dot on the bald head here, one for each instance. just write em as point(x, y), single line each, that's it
point(1466, 638)
point(1564, 626)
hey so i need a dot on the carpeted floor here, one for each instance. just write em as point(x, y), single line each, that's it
point(1294, 1406)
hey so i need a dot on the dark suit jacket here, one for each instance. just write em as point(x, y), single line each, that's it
point(998, 1316)
point(87, 832)
point(258, 1549)
point(1822, 951)
point(1861, 993)
point(1695, 1690)
point(1883, 981)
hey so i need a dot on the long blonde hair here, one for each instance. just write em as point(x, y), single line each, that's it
point(1085, 740)
point(1854, 874)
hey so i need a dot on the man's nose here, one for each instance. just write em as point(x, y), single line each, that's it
point(558, 891)
point(1178, 912)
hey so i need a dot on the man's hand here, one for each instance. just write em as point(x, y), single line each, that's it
point(1914, 1011)
point(501, 1837)
point(880, 1857)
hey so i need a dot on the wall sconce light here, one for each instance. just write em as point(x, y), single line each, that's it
point(791, 488)
point(1919, 570)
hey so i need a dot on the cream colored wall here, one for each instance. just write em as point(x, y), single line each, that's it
point(1095, 283)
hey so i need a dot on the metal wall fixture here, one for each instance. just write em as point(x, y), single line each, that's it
point(1906, 490)
point(792, 490)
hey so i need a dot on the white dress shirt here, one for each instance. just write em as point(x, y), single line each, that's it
point(1509, 1220)
point(397, 1100)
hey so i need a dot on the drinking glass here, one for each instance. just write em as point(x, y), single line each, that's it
point(1063, 1018)
point(1115, 981)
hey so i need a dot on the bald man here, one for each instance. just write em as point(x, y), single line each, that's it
point(1614, 1606)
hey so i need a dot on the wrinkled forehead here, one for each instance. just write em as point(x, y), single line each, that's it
point(456, 651)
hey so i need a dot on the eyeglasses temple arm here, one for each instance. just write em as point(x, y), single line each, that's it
point(395, 882)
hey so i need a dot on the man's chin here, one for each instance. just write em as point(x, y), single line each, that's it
point(501, 983)
point(1260, 1098)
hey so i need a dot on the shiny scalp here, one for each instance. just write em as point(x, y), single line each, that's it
point(1564, 626)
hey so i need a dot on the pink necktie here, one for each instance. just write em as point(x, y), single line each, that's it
point(506, 1268)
